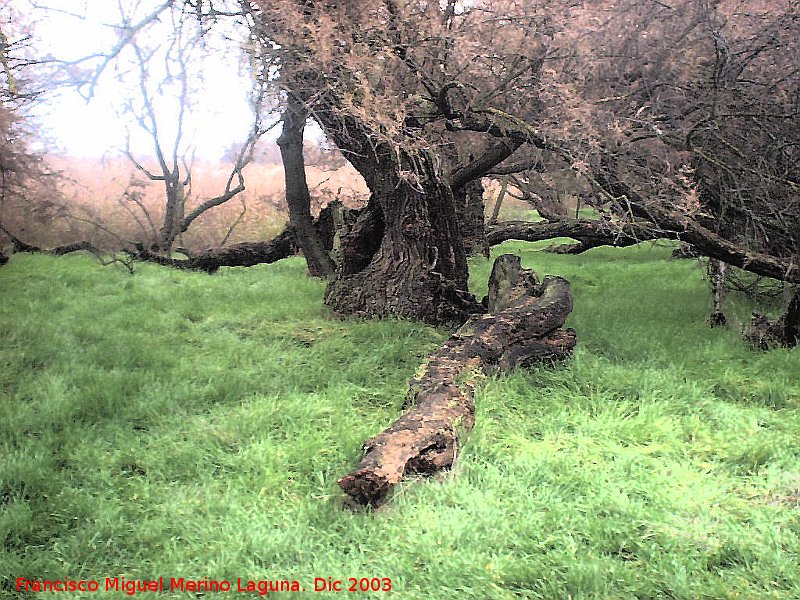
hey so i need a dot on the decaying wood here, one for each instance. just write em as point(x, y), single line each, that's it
point(522, 327)
point(784, 332)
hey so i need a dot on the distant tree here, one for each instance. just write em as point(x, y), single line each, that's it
point(164, 76)
point(323, 155)
point(28, 191)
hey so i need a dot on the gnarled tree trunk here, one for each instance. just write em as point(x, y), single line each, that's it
point(410, 263)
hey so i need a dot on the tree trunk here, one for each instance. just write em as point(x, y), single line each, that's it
point(465, 181)
point(414, 265)
point(716, 273)
point(791, 320)
point(173, 211)
point(498, 204)
point(524, 329)
point(298, 198)
point(591, 233)
point(246, 254)
point(470, 210)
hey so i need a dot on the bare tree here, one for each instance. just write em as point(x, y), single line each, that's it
point(28, 194)
point(178, 58)
point(160, 51)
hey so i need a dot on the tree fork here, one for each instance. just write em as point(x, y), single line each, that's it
point(524, 328)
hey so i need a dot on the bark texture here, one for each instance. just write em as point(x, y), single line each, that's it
point(298, 198)
point(246, 254)
point(470, 210)
point(523, 327)
point(407, 258)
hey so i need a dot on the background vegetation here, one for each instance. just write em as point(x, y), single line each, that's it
point(177, 424)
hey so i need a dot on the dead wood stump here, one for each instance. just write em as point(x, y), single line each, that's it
point(522, 327)
point(784, 332)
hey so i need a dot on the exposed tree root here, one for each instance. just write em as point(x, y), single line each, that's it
point(523, 327)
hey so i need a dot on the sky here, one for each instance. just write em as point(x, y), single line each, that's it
point(71, 29)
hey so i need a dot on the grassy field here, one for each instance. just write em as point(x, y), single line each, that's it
point(171, 424)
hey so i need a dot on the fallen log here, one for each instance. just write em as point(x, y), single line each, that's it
point(523, 327)
point(249, 254)
point(246, 254)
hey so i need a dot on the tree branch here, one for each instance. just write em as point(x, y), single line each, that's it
point(480, 166)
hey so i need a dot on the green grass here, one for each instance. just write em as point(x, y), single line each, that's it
point(182, 425)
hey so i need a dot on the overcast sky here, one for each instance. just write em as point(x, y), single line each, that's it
point(219, 117)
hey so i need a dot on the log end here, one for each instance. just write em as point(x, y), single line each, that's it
point(366, 486)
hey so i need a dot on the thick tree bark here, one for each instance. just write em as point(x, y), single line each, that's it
point(525, 328)
point(409, 261)
point(298, 198)
point(414, 265)
point(357, 238)
point(470, 211)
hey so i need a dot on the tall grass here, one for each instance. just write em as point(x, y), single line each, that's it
point(182, 425)
point(91, 203)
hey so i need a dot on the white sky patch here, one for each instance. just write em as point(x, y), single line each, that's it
point(68, 29)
